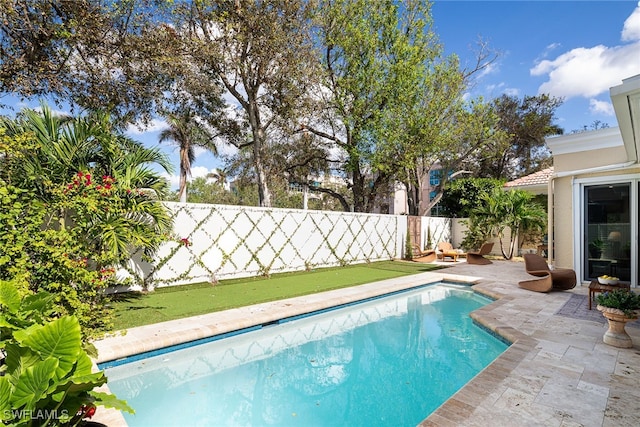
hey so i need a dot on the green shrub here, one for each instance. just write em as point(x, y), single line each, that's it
point(46, 374)
point(623, 300)
point(40, 258)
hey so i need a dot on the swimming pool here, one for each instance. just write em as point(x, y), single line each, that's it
point(389, 361)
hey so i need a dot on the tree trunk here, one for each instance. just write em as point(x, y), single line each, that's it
point(413, 199)
point(183, 186)
point(358, 190)
point(259, 139)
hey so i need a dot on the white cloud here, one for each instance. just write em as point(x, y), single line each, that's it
point(174, 180)
point(199, 172)
point(501, 88)
point(601, 107)
point(590, 71)
point(547, 50)
point(631, 28)
point(156, 125)
point(510, 91)
point(196, 172)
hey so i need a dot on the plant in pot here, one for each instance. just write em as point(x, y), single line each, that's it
point(618, 307)
point(595, 248)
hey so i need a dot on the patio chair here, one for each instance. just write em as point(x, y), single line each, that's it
point(476, 257)
point(562, 278)
point(419, 255)
point(445, 250)
point(543, 284)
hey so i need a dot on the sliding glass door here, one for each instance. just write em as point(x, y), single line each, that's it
point(608, 231)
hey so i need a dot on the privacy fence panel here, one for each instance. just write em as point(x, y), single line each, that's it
point(213, 242)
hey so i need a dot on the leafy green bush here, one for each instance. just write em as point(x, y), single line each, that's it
point(39, 258)
point(46, 376)
point(623, 300)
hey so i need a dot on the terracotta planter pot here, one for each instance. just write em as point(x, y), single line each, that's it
point(616, 335)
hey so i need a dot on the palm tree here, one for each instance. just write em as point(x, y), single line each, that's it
point(185, 130)
point(66, 146)
point(514, 209)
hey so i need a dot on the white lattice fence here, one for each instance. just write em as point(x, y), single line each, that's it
point(439, 229)
point(215, 242)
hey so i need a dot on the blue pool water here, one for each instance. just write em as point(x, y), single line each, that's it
point(391, 361)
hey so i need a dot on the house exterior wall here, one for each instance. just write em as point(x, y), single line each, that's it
point(603, 165)
point(589, 159)
point(579, 156)
point(566, 213)
point(563, 222)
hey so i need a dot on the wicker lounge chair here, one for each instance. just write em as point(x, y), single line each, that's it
point(543, 284)
point(476, 257)
point(419, 255)
point(562, 278)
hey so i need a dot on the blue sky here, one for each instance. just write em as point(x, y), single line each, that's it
point(575, 50)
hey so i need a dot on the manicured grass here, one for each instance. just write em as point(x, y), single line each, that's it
point(137, 309)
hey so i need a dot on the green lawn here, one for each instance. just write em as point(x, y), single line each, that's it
point(137, 309)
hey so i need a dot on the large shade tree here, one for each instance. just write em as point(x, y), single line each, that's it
point(526, 122)
point(261, 52)
point(391, 101)
point(366, 50)
point(118, 55)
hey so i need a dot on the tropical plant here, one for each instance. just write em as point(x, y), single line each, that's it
point(66, 150)
point(187, 132)
point(46, 374)
point(63, 145)
point(621, 299)
point(64, 229)
point(595, 248)
point(52, 259)
point(511, 210)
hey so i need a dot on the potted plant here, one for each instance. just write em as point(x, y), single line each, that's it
point(595, 248)
point(618, 307)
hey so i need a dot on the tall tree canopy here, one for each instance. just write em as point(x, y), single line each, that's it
point(391, 102)
point(114, 55)
point(369, 60)
point(367, 78)
point(261, 52)
point(527, 122)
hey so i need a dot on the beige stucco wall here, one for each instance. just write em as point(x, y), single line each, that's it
point(589, 159)
point(563, 223)
point(564, 218)
point(575, 158)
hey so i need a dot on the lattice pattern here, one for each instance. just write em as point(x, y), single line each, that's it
point(237, 241)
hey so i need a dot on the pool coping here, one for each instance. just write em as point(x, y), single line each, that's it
point(461, 406)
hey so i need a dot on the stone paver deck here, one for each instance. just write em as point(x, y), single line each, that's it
point(557, 372)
